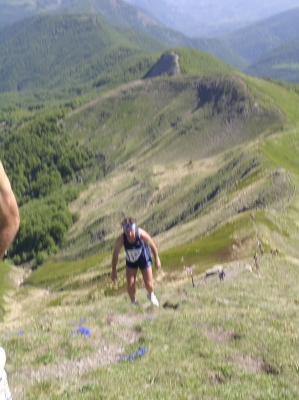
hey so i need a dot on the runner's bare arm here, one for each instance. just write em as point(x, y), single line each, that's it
point(9, 213)
point(118, 245)
point(146, 238)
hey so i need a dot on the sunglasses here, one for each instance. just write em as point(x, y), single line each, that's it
point(128, 227)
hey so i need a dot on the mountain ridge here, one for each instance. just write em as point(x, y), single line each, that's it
point(120, 13)
point(50, 54)
point(252, 41)
point(213, 18)
point(240, 48)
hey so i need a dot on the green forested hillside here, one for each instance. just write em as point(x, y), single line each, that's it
point(240, 48)
point(119, 13)
point(282, 63)
point(40, 162)
point(53, 51)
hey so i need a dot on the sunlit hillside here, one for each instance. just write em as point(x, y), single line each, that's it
point(207, 161)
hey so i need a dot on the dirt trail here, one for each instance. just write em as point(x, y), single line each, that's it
point(16, 304)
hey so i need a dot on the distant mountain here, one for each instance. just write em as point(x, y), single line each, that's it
point(115, 11)
point(198, 18)
point(120, 13)
point(58, 50)
point(282, 63)
point(240, 48)
point(255, 40)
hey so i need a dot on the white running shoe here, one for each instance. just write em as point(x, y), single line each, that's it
point(153, 299)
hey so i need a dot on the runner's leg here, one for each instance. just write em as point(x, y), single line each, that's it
point(131, 279)
point(147, 275)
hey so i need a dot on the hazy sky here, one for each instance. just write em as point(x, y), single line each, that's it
point(196, 17)
point(259, 8)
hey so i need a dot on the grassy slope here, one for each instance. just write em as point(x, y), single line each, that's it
point(165, 157)
point(225, 341)
point(210, 341)
point(160, 139)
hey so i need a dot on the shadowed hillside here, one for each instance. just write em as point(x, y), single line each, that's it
point(253, 41)
point(281, 63)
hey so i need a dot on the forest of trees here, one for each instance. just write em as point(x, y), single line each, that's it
point(41, 165)
point(68, 50)
point(282, 63)
point(50, 64)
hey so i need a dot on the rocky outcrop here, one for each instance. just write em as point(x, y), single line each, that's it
point(168, 64)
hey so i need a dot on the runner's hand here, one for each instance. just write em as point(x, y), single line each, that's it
point(158, 263)
point(114, 276)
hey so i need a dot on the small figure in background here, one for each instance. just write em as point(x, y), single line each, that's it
point(274, 252)
point(257, 266)
point(256, 262)
point(260, 247)
point(221, 275)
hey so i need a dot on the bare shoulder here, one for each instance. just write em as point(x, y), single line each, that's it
point(119, 241)
point(143, 234)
